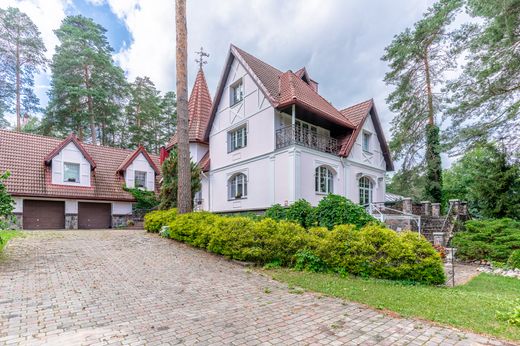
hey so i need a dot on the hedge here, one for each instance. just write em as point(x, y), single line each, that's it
point(371, 251)
point(493, 240)
point(153, 221)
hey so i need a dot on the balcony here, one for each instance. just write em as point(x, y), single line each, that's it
point(295, 135)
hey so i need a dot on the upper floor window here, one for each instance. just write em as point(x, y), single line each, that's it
point(365, 191)
point(71, 172)
point(366, 141)
point(237, 92)
point(140, 179)
point(324, 180)
point(237, 186)
point(237, 138)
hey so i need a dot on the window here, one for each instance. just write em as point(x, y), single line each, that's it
point(306, 134)
point(237, 186)
point(323, 180)
point(366, 141)
point(237, 138)
point(140, 179)
point(237, 92)
point(71, 172)
point(365, 191)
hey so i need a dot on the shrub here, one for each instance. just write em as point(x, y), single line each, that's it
point(153, 221)
point(514, 259)
point(492, 240)
point(301, 212)
point(337, 210)
point(193, 228)
point(276, 212)
point(307, 260)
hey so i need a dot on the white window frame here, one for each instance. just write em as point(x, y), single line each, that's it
point(366, 145)
point(323, 180)
point(144, 187)
point(236, 92)
point(237, 182)
point(366, 190)
point(78, 181)
point(237, 138)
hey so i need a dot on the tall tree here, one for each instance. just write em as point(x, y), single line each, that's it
point(22, 55)
point(169, 114)
point(184, 200)
point(486, 97)
point(86, 86)
point(418, 58)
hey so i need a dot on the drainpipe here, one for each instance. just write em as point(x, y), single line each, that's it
point(293, 115)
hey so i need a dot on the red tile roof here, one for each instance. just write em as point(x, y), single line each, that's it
point(24, 155)
point(204, 163)
point(199, 108)
point(130, 158)
point(358, 112)
point(70, 139)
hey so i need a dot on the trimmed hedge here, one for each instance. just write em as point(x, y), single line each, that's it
point(373, 250)
point(493, 240)
point(154, 220)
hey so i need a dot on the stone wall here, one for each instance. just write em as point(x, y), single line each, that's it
point(119, 221)
point(71, 221)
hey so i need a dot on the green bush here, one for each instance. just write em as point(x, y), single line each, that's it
point(492, 240)
point(337, 210)
point(514, 259)
point(153, 221)
point(276, 212)
point(301, 212)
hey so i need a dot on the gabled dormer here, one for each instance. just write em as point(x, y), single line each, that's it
point(139, 170)
point(70, 163)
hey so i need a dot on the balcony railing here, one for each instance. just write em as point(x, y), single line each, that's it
point(291, 135)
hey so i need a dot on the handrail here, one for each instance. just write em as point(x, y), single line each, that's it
point(291, 134)
point(372, 206)
point(447, 216)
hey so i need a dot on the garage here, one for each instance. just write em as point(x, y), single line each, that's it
point(94, 215)
point(43, 214)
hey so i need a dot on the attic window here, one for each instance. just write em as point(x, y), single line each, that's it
point(140, 179)
point(236, 92)
point(71, 172)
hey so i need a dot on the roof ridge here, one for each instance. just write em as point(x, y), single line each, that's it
point(357, 104)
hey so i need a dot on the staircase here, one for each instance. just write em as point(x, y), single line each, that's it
point(431, 225)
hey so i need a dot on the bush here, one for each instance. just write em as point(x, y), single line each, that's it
point(337, 210)
point(276, 212)
point(492, 240)
point(301, 212)
point(514, 260)
point(154, 220)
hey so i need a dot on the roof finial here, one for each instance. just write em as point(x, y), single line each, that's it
point(201, 55)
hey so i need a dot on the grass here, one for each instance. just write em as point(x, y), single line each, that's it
point(5, 236)
point(472, 306)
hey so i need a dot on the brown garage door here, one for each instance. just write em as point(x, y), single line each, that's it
point(94, 215)
point(43, 214)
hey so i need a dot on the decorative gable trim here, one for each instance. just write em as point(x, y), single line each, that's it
point(70, 139)
point(140, 150)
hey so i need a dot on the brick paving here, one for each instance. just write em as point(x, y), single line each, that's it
point(131, 288)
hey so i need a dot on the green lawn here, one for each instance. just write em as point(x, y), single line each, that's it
point(6, 235)
point(471, 306)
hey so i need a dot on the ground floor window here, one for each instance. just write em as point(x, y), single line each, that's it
point(237, 186)
point(365, 191)
point(323, 180)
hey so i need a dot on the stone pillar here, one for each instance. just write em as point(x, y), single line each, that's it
point(436, 209)
point(407, 205)
point(454, 204)
point(71, 221)
point(438, 238)
point(464, 208)
point(426, 208)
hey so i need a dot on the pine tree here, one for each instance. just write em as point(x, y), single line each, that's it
point(87, 88)
point(169, 115)
point(22, 55)
point(418, 58)
point(169, 186)
point(486, 97)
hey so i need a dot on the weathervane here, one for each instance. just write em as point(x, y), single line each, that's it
point(201, 55)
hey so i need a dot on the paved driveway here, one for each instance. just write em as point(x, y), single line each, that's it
point(129, 287)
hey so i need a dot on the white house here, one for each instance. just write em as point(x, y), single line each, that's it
point(269, 137)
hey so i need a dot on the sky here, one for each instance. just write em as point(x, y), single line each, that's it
point(340, 42)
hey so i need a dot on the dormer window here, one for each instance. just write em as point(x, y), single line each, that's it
point(237, 92)
point(140, 180)
point(71, 172)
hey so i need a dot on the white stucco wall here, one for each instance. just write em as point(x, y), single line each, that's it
point(70, 153)
point(71, 206)
point(121, 208)
point(18, 205)
point(197, 151)
point(374, 158)
point(140, 164)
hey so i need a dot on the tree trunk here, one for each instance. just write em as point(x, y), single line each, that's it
point(18, 87)
point(431, 118)
point(90, 105)
point(184, 202)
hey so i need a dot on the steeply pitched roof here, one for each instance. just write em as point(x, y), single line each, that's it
point(70, 139)
point(199, 108)
point(130, 158)
point(358, 112)
point(204, 162)
point(24, 155)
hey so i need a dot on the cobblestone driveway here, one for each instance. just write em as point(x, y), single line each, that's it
point(129, 287)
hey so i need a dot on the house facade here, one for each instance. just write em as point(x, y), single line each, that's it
point(67, 184)
point(270, 137)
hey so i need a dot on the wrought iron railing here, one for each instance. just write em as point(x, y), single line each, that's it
point(291, 135)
